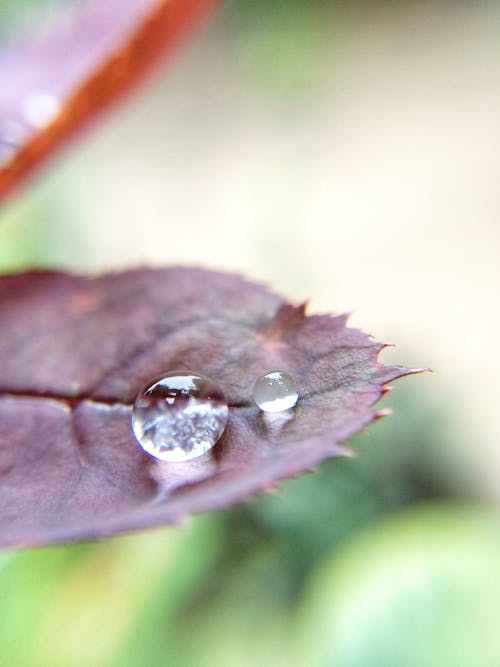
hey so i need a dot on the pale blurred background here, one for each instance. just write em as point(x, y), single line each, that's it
point(348, 154)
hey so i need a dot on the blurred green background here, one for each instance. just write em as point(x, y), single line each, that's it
point(347, 153)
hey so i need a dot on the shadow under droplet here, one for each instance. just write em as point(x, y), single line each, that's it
point(273, 423)
point(170, 476)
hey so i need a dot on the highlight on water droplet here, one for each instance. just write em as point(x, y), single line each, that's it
point(275, 391)
point(179, 416)
point(40, 108)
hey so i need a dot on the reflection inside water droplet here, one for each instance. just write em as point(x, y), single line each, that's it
point(180, 416)
point(275, 391)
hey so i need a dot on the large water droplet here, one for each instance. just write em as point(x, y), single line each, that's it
point(275, 391)
point(180, 416)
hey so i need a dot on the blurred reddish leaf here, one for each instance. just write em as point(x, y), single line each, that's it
point(60, 78)
point(74, 352)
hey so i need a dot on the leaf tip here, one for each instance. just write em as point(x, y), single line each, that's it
point(383, 412)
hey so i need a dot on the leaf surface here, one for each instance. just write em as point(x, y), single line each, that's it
point(74, 352)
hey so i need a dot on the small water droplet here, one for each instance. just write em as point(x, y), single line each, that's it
point(275, 391)
point(13, 132)
point(179, 416)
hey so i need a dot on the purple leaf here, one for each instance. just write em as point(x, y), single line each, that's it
point(56, 81)
point(75, 351)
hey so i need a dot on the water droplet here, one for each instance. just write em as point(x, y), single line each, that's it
point(180, 416)
point(13, 132)
point(275, 391)
point(41, 108)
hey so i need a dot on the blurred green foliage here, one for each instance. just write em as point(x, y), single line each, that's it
point(41, 228)
point(16, 15)
point(421, 588)
point(281, 46)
